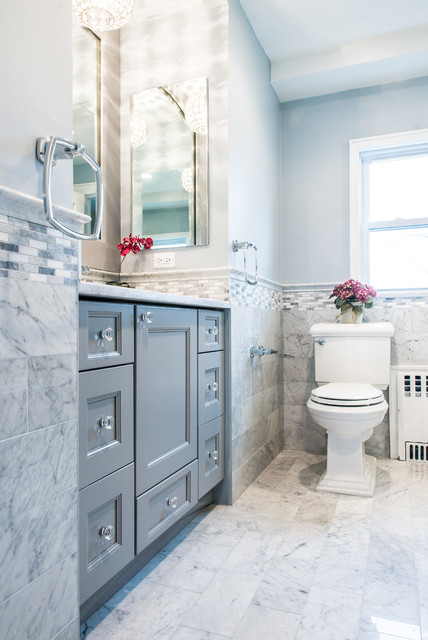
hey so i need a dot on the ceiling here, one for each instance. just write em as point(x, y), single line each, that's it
point(317, 47)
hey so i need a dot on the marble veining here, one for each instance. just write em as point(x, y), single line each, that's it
point(305, 572)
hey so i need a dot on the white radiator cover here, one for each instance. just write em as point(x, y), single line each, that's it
point(408, 412)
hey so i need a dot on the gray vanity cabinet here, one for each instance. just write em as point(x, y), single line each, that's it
point(166, 393)
point(151, 429)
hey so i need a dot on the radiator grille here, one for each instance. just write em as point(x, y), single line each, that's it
point(417, 451)
point(410, 411)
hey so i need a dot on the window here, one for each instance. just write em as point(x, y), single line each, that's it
point(389, 210)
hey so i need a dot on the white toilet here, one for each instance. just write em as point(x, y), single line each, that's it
point(352, 365)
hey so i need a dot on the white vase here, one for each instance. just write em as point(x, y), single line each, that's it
point(352, 314)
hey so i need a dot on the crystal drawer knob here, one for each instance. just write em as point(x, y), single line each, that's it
point(213, 331)
point(212, 386)
point(213, 455)
point(107, 532)
point(106, 334)
point(107, 422)
point(147, 317)
point(172, 502)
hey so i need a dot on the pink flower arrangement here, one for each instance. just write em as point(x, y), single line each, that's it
point(134, 244)
point(131, 244)
point(353, 294)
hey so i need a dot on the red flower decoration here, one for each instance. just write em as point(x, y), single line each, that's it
point(134, 244)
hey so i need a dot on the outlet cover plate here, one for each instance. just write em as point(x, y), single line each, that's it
point(163, 260)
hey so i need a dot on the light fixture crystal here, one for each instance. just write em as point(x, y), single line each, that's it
point(139, 131)
point(196, 113)
point(187, 179)
point(102, 15)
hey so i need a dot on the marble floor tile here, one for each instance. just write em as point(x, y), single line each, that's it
point(330, 615)
point(224, 603)
point(262, 622)
point(288, 562)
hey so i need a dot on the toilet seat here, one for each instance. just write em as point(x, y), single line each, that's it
point(347, 394)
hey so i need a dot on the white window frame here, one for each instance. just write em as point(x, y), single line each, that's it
point(359, 228)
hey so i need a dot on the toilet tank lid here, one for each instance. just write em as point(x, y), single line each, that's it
point(363, 329)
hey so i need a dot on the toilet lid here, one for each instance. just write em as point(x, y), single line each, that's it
point(347, 394)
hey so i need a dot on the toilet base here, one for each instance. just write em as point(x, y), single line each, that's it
point(360, 482)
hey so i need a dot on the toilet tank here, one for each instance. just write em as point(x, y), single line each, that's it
point(353, 352)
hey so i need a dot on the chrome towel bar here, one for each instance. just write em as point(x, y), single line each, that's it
point(48, 151)
point(261, 351)
point(246, 245)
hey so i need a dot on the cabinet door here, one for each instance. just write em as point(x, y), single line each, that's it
point(106, 421)
point(211, 455)
point(210, 331)
point(106, 334)
point(166, 503)
point(210, 386)
point(106, 522)
point(165, 392)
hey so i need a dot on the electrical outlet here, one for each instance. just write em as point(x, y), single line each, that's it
point(163, 260)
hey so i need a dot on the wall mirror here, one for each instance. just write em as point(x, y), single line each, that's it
point(86, 115)
point(169, 163)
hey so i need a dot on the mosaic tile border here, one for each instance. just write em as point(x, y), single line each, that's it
point(29, 248)
point(317, 297)
point(223, 284)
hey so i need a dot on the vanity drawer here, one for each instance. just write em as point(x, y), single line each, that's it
point(211, 455)
point(106, 422)
point(210, 330)
point(164, 504)
point(106, 334)
point(106, 524)
point(210, 386)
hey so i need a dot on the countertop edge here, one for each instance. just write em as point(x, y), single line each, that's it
point(105, 291)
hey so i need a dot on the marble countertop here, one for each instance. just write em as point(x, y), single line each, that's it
point(96, 290)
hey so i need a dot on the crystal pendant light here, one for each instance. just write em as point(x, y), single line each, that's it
point(187, 179)
point(102, 15)
point(139, 131)
point(196, 113)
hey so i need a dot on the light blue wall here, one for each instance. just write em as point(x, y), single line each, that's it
point(36, 83)
point(254, 147)
point(314, 170)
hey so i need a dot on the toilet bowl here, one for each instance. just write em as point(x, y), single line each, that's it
point(352, 368)
point(349, 413)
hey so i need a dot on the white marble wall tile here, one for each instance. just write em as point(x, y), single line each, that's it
point(37, 319)
point(223, 604)
point(262, 622)
point(70, 632)
point(52, 390)
point(48, 545)
point(44, 607)
point(36, 466)
point(13, 397)
point(29, 546)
